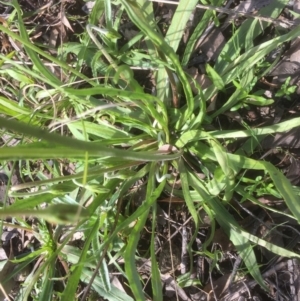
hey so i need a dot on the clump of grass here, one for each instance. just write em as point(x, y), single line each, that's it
point(113, 135)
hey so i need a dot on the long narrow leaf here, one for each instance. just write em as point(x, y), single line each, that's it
point(184, 177)
point(79, 147)
point(196, 135)
point(155, 275)
point(129, 257)
point(137, 17)
point(70, 290)
point(241, 243)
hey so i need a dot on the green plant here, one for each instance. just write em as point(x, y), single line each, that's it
point(116, 135)
point(286, 90)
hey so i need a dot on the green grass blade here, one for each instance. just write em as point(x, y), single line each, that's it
point(137, 17)
point(184, 177)
point(195, 36)
point(226, 167)
point(173, 37)
point(242, 244)
point(254, 55)
point(248, 80)
point(133, 277)
point(263, 243)
point(11, 108)
point(286, 189)
point(155, 275)
point(129, 96)
point(113, 295)
point(91, 173)
point(96, 12)
point(215, 77)
point(149, 15)
point(34, 50)
point(104, 274)
point(180, 18)
point(70, 289)
point(280, 181)
point(226, 221)
point(79, 147)
point(196, 135)
point(249, 30)
point(47, 291)
point(129, 257)
point(32, 202)
point(57, 213)
point(185, 188)
point(35, 59)
point(108, 14)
